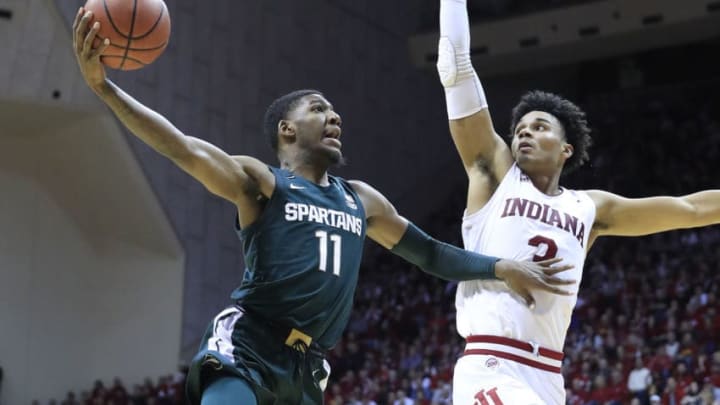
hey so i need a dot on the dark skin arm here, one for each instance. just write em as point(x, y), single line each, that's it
point(237, 179)
point(484, 154)
point(387, 227)
point(620, 216)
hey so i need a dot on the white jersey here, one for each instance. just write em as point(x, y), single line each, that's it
point(521, 223)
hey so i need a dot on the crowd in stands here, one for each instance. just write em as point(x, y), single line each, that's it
point(647, 324)
point(167, 390)
point(646, 329)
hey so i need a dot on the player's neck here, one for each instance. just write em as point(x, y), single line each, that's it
point(314, 173)
point(547, 184)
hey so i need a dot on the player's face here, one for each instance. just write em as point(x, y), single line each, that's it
point(538, 143)
point(317, 127)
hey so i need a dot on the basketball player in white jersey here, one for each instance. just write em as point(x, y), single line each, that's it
point(516, 209)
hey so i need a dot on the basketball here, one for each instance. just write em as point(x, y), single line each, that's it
point(138, 30)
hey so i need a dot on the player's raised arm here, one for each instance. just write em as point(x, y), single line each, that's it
point(221, 174)
point(395, 233)
point(621, 216)
point(471, 127)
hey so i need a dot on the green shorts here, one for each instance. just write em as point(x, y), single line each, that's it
point(241, 345)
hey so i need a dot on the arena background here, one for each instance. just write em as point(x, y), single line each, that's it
point(112, 260)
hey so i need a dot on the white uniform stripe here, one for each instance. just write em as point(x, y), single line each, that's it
point(223, 326)
point(514, 351)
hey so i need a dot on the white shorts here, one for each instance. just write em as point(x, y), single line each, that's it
point(486, 379)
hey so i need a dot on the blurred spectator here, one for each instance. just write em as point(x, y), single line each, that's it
point(117, 393)
point(639, 380)
point(672, 346)
point(692, 395)
point(672, 393)
point(442, 395)
point(402, 399)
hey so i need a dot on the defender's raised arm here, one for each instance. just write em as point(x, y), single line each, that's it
point(485, 156)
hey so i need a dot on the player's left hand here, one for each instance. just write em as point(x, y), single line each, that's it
point(87, 55)
point(523, 277)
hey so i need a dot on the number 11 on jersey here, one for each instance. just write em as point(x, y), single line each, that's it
point(336, 241)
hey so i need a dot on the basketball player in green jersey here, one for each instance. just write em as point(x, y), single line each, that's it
point(302, 232)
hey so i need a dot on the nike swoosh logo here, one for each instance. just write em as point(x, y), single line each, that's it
point(296, 187)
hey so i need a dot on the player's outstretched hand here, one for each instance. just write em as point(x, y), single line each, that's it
point(88, 57)
point(522, 277)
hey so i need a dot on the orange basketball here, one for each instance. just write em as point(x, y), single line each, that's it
point(139, 31)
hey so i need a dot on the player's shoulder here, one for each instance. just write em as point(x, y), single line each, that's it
point(604, 201)
point(578, 195)
point(252, 163)
point(599, 197)
point(358, 184)
point(263, 175)
point(582, 202)
point(364, 190)
point(247, 160)
point(370, 197)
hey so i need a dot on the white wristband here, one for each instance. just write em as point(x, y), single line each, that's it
point(465, 98)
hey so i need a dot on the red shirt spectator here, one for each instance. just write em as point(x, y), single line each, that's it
point(660, 362)
point(672, 393)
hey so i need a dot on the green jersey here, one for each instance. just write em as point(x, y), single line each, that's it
point(303, 256)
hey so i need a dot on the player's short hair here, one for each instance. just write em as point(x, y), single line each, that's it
point(278, 110)
point(572, 118)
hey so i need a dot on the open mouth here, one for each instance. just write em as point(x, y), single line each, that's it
point(525, 146)
point(332, 136)
point(333, 133)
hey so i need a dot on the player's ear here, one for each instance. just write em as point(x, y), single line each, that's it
point(568, 150)
point(287, 130)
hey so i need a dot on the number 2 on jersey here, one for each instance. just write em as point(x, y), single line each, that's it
point(323, 250)
point(550, 244)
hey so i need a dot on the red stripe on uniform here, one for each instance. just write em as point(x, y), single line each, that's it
point(514, 357)
point(551, 354)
